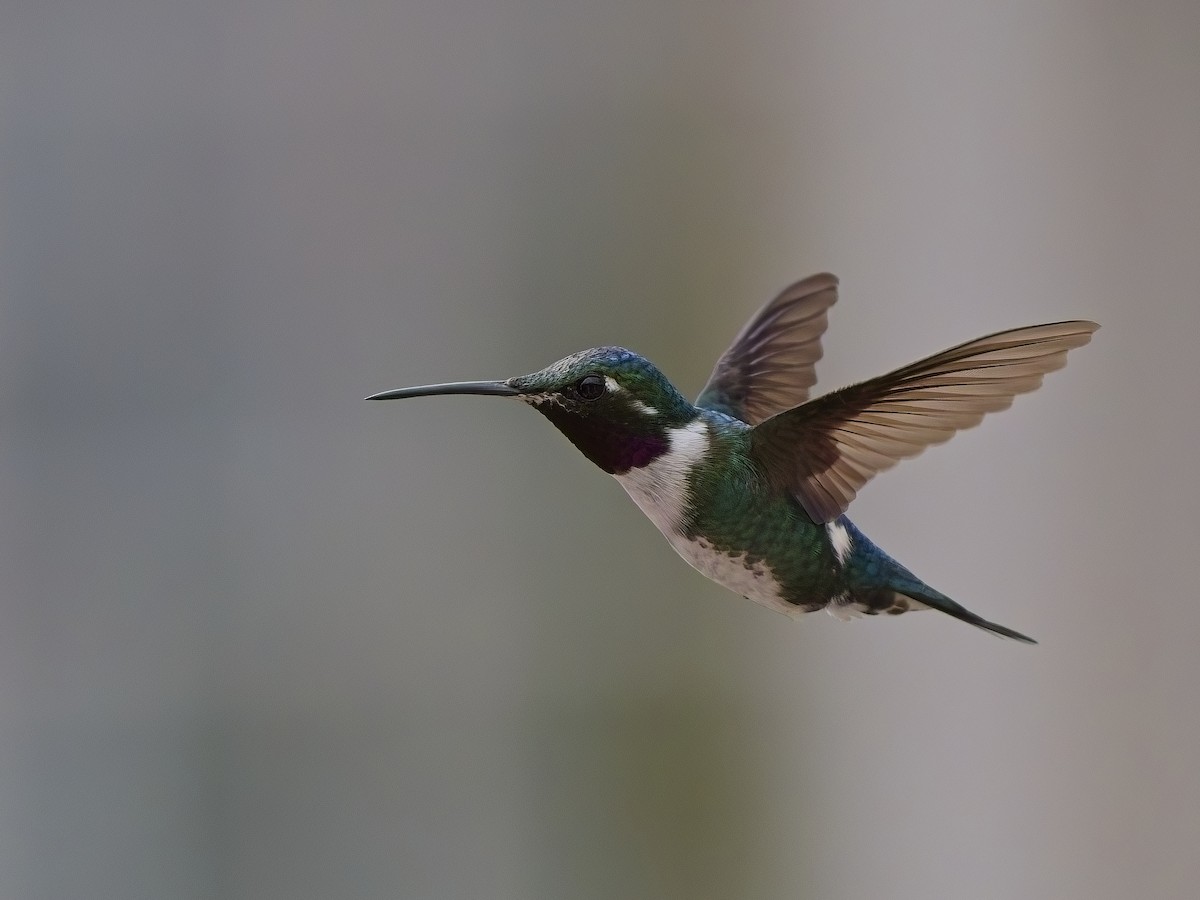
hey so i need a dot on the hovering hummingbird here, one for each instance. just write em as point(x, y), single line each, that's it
point(750, 484)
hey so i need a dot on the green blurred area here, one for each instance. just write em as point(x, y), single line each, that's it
point(261, 639)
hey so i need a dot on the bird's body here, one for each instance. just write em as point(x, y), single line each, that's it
point(750, 483)
point(721, 514)
point(716, 511)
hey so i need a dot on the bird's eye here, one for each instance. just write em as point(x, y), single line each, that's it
point(591, 387)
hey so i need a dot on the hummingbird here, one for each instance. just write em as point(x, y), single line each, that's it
point(751, 482)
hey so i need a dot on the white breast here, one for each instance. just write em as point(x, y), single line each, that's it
point(660, 490)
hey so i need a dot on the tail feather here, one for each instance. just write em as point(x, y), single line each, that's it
point(927, 596)
point(879, 584)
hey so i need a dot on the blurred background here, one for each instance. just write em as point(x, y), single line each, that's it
point(260, 639)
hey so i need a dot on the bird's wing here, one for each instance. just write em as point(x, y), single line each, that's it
point(769, 367)
point(824, 451)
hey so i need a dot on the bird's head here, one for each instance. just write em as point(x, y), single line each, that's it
point(611, 403)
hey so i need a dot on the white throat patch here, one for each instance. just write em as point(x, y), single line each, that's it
point(660, 488)
point(661, 491)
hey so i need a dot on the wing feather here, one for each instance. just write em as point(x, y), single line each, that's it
point(770, 365)
point(825, 450)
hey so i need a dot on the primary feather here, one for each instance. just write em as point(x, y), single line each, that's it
point(825, 450)
point(770, 365)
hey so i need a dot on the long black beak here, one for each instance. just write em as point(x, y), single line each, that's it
point(491, 388)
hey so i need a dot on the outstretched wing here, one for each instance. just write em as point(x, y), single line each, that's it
point(769, 367)
point(827, 449)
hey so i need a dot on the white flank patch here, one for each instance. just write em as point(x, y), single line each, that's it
point(839, 607)
point(841, 540)
point(842, 607)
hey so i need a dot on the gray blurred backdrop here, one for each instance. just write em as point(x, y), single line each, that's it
point(260, 639)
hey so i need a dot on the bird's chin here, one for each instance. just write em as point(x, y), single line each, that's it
point(543, 402)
